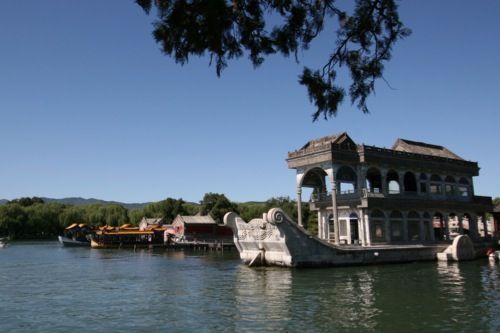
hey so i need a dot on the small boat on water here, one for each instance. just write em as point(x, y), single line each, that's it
point(76, 235)
point(69, 242)
point(3, 242)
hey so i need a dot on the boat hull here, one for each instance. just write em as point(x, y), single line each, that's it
point(68, 242)
point(4, 242)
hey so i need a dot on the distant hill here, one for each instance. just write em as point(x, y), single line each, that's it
point(77, 201)
point(83, 202)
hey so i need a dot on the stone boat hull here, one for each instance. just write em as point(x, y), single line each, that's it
point(276, 240)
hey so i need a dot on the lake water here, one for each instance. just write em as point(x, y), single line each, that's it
point(47, 288)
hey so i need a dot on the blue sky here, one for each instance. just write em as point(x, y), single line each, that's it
point(90, 107)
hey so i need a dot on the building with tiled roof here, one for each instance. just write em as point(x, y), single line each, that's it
point(201, 228)
point(413, 193)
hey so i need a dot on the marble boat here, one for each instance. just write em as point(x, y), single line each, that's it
point(276, 240)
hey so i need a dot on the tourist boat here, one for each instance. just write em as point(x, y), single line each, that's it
point(127, 236)
point(76, 235)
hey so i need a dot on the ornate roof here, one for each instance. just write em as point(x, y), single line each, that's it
point(424, 149)
point(326, 140)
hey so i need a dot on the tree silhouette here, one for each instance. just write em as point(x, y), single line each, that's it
point(230, 29)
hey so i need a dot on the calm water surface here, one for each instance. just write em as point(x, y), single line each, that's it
point(47, 288)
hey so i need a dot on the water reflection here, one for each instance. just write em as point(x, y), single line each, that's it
point(274, 299)
point(262, 298)
point(46, 288)
point(451, 282)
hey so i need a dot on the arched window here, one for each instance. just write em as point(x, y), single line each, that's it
point(435, 185)
point(450, 186)
point(377, 226)
point(410, 182)
point(453, 225)
point(374, 180)
point(428, 231)
point(438, 225)
point(413, 226)
point(393, 182)
point(347, 180)
point(463, 187)
point(316, 181)
point(396, 226)
point(353, 227)
point(423, 183)
point(466, 221)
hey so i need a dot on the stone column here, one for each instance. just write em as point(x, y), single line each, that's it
point(361, 227)
point(401, 181)
point(485, 224)
point(421, 230)
point(405, 228)
point(387, 225)
point(361, 178)
point(417, 179)
point(473, 229)
point(383, 177)
point(324, 227)
point(299, 205)
point(368, 236)
point(446, 227)
point(431, 230)
point(334, 208)
point(460, 224)
point(320, 222)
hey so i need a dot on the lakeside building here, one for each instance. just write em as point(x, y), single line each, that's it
point(414, 192)
point(201, 228)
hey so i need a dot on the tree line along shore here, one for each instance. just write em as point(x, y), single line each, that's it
point(33, 218)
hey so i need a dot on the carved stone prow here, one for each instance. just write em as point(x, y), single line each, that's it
point(260, 241)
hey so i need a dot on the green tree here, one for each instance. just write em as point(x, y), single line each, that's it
point(135, 216)
point(72, 214)
point(99, 215)
point(251, 210)
point(168, 209)
point(13, 220)
point(230, 29)
point(26, 201)
point(43, 220)
point(217, 205)
point(496, 201)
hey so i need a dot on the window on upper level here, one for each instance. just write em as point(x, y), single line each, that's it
point(423, 183)
point(393, 182)
point(450, 186)
point(410, 182)
point(463, 187)
point(435, 188)
point(374, 180)
point(347, 180)
point(435, 185)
